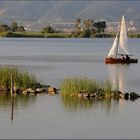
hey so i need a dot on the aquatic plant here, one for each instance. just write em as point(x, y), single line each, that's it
point(20, 78)
point(76, 85)
point(107, 87)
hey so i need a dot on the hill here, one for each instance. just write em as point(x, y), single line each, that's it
point(49, 11)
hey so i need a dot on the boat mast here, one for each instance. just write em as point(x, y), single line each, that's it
point(118, 36)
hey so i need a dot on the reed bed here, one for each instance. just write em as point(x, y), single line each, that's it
point(20, 78)
point(73, 86)
point(107, 87)
point(76, 85)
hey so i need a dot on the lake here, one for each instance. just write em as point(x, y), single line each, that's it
point(54, 117)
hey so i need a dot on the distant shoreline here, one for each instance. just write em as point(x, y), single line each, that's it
point(60, 35)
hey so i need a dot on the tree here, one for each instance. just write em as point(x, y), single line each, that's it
point(86, 33)
point(103, 24)
point(13, 27)
point(100, 26)
point(88, 24)
point(48, 29)
point(3, 28)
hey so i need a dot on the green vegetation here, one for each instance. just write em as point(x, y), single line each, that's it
point(18, 31)
point(3, 34)
point(57, 35)
point(38, 35)
point(63, 35)
point(34, 34)
point(12, 28)
point(73, 86)
point(25, 34)
point(88, 28)
point(83, 29)
point(107, 87)
point(134, 35)
point(20, 78)
point(100, 26)
point(48, 29)
point(15, 28)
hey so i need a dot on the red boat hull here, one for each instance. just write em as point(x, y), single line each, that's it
point(120, 60)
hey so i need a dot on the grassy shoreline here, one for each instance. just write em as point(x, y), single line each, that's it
point(60, 35)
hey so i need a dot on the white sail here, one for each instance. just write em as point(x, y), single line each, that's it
point(113, 50)
point(120, 43)
point(123, 47)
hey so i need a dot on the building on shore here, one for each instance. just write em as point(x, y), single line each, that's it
point(115, 26)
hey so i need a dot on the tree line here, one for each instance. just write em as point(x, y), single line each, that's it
point(85, 28)
point(12, 28)
point(88, 28)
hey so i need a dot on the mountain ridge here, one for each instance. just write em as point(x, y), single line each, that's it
point(67, 11)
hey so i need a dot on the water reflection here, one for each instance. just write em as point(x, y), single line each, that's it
point(12, 109)
point(117, 74)
point(106, 105)
point(13, 104)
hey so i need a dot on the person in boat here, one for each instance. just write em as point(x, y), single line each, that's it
point(123, 58)
point(127, 57)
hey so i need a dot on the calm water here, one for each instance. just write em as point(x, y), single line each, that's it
point(52, 60)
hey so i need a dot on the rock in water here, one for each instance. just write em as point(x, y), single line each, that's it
point(134, 96)
point(52, 90)
point(126, 96)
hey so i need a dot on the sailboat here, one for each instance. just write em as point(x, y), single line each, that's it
point(119, 51)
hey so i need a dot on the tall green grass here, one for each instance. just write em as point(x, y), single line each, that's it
point(107, 87)
point(20, 78)
point(76, 85)
point(26, 34)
